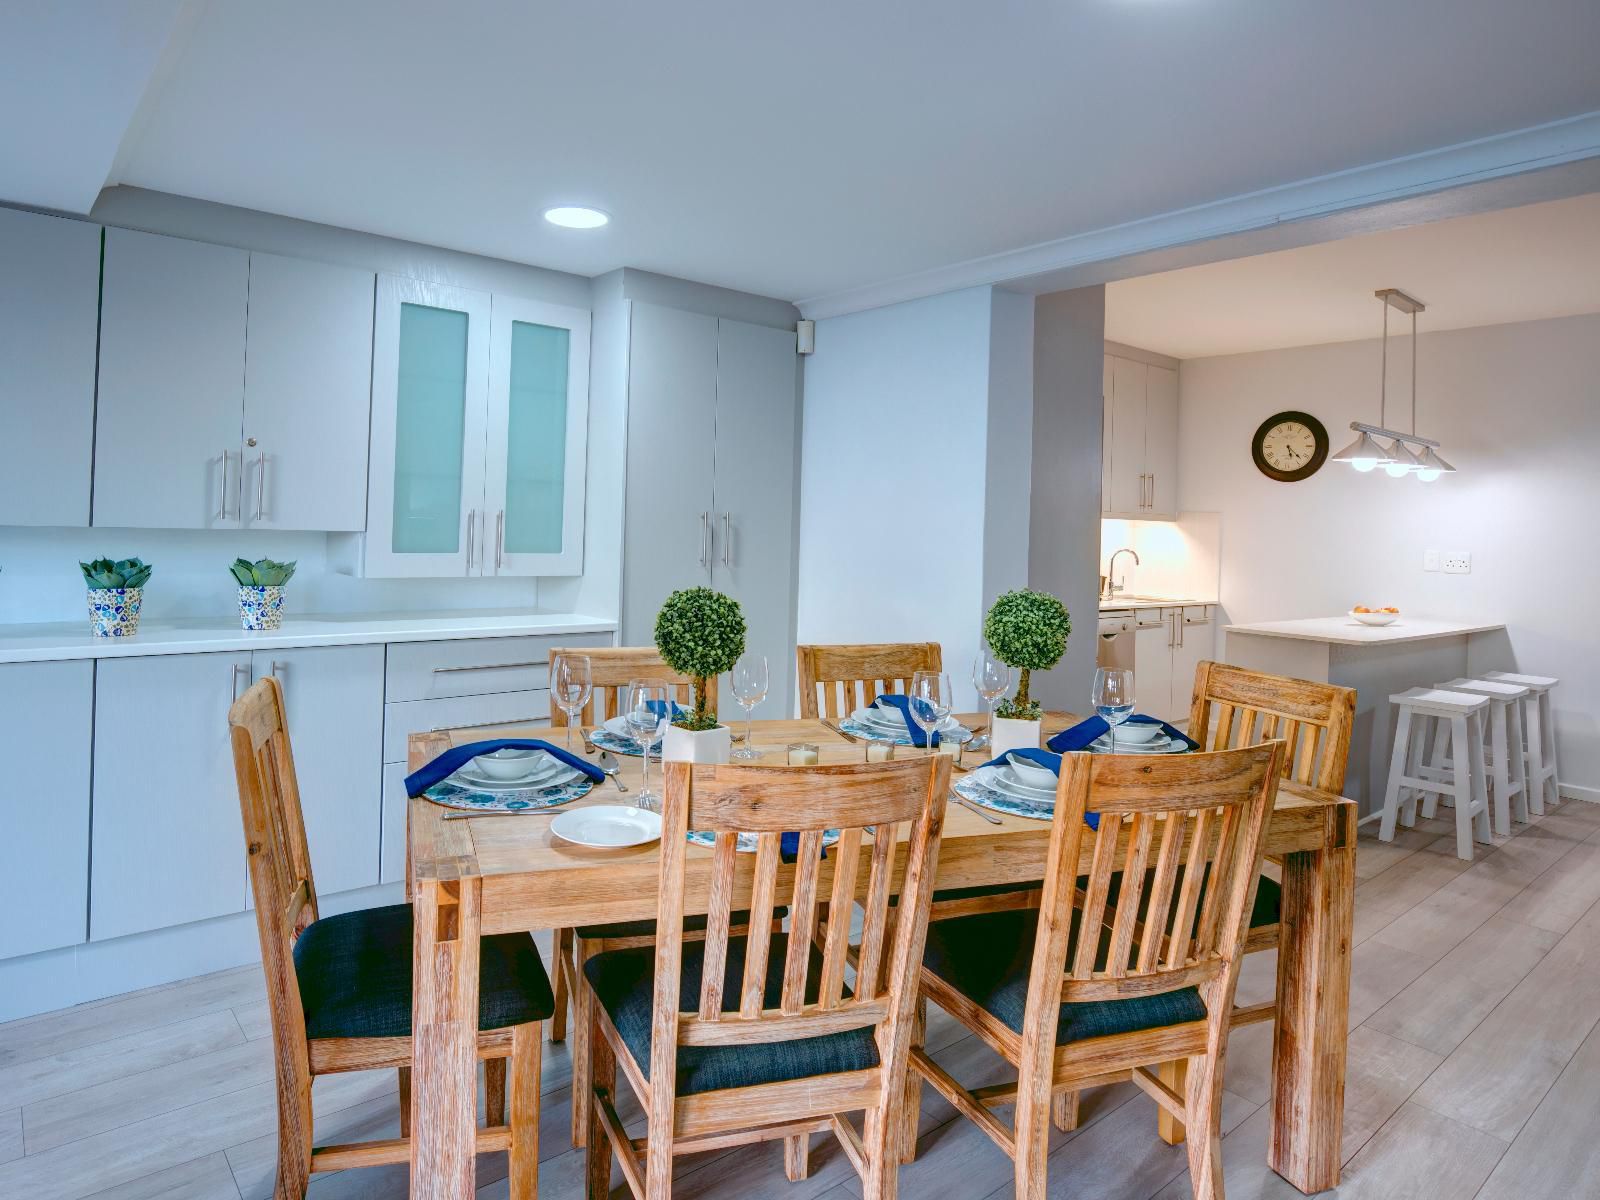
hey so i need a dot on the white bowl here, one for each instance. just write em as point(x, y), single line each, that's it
point(1376, 618)
point(1031, 773)
point(510, 763)
point(1136, 734)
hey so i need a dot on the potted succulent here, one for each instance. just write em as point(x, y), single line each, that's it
point(1026, 630)
point(261, 591)
point(116, 593)
point(700, 633)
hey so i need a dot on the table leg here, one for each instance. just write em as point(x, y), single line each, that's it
point(444, 1026)
point(1308, 1047)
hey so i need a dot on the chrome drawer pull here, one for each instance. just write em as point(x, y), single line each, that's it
point(516, 666)
point(489, 724)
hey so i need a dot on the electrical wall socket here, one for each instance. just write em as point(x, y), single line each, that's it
point(1430, 560)
point(1458, 562)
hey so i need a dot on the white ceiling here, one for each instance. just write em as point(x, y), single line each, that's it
point(1518, 264)
point(792, 151)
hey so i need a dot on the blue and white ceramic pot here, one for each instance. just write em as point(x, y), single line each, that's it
point(261, 607)
point(114, 612)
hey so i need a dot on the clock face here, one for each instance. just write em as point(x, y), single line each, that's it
point(1290, 446)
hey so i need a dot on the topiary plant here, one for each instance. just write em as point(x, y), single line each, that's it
point(265, 573)
point(124, 573)
point(1027, 630)
point(700, 633)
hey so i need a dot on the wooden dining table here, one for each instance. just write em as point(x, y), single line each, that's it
point(488, 875)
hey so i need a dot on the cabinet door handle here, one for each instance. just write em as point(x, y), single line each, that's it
point(472, 535)
point(237, 669)
point(705, 533)
point(499, 539)
point(261, 485)
point(278, 669)
point(222, 509)
point(727, 539)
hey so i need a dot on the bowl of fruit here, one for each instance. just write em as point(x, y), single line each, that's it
point(1375, 616)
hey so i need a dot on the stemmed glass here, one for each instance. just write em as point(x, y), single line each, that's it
point(1113, 697)
point(930, 702)
point(572, 683)
point(649, 709)
point(750, 684)
point(991, 677)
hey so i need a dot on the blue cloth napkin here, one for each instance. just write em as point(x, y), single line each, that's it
point(1051, 762)
point(789, 847)
point(903, 703)
point(659, 707)
point(451, 761)
point(1085, 733)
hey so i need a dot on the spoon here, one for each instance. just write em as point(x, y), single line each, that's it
point(611, 766)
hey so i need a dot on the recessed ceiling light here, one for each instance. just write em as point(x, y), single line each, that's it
point(576, 218)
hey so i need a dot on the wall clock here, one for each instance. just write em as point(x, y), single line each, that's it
point(1290, 446)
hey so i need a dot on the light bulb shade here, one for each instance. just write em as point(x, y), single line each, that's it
point(1431, 462)
point(1401, 461)
point(1363, 454)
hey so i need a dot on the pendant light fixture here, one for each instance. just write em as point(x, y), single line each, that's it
point(1398, 459)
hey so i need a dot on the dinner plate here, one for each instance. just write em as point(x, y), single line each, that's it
point(1002, 780)
point(892, 722)
point(1102, 745)
point(608, 826)
point(555, 776)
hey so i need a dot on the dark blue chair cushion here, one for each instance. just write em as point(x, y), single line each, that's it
point(354, 972)
point(633, 929)
point(624, 984)
point(986, 957)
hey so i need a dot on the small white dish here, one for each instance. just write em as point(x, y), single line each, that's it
point(1000, 780)
point(1164, 745)
point(1376, 618)
point(1135, 733)
point(513, 762)
point(1031, 774)
point(559, 777)
point(607, 826)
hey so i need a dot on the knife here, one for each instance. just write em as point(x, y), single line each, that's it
point(849, 737)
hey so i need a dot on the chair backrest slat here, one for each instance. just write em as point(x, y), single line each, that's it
point(844, 678)
point(768, 851)
point(1161, 885)
point(802, 921)
point(719, 919)
point(841, 904)
point(612, 669)
point(875, 911)
point(1125, 922)
point(1235, 707)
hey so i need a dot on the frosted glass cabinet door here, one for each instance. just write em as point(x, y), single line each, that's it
point(49, 310)
point(430, 373)
point(538, 438)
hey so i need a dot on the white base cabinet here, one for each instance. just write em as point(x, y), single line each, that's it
point(1169, 643)
point(45, 709)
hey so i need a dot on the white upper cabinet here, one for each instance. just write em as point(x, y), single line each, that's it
point(307, 395)
point(538, 438)
point(171, 405)
point(49, 285)
point(479, 434)
point(1139, 454)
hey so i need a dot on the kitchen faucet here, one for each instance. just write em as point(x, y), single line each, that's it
point(1112, 586)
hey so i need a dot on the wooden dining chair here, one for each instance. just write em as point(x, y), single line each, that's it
point(1104, 982)
point(837, 680)
point(611, 670)
point(733, 1040)
point(339, 987)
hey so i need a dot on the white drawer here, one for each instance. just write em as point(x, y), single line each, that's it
point(402, 719)
point(476, 666)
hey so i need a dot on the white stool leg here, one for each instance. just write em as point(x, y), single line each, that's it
point(1502, 775)
point(1436, 760)
point(1397, 765)
point(1547, 725)
point(1462, 791)
point(1535, 743)
point(1516, 764)
point(1479, 778)
point(1410, 796)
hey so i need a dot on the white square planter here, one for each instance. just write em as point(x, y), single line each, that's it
point(696, 746)
point(1006, 735)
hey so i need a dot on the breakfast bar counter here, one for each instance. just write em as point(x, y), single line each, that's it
point(1377, 661)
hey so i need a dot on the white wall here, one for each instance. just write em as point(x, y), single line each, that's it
point(1518, 408)
point(896, 474)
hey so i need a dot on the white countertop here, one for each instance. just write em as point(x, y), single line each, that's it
point(1124, 604)
point(69, 640)
point(1347, 631)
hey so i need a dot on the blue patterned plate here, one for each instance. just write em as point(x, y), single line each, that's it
point(618, 744)
point(977, 788)
point(452, 794)
point(871, 733)
point(747, 841)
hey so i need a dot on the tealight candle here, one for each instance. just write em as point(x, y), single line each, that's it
point(950, 746)
point(802, 754)
point(880, 751)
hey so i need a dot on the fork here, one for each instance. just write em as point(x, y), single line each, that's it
point(971, 807)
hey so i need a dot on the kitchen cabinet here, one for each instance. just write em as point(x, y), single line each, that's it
point(1139, 451)
point(49, 319)
point(1169, 643)
point(168, 844)
point(234, 389)
point(46, 709)
point(479, 435)
point(307, 395)
point(171, 396)
point(334, 699)
point(712, 412)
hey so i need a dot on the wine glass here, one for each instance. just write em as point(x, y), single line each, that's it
point(649, 709)
point(991, 677)
point(930, 702)
point(1113, 697)
point(572, 683)
point(750, 684)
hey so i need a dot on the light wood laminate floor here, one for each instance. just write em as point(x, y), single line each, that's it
point(1474, 1070)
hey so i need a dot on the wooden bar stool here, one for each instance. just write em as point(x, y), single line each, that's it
point(1540, 729)
point(1463, 783)
point(1508, 774)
